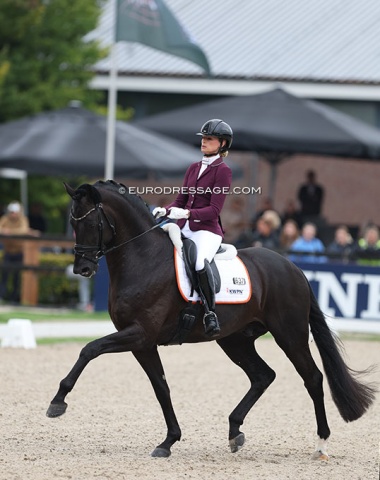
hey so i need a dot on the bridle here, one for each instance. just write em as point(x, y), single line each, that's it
point(101, 249)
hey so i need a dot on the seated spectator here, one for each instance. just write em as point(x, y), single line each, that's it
point(309, 243)
point(266, 233)
point(289, 234)
point(291, 213)
point(266, 204)
point(342, 245)
point(368, 247)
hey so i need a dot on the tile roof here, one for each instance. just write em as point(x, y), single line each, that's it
point(314, 40)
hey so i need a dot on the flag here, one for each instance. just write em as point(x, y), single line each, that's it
point(152, 23)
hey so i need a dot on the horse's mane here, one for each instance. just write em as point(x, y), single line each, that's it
point(94, 194)
point(112, 186)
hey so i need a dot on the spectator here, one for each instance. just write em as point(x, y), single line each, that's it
point(266, 233)
point(368, 247)
point(13, 222)
point(310, 196)
point(342, 245)
point(308, 242)
point(289, 234)
point(291, 213)
point(266, 204)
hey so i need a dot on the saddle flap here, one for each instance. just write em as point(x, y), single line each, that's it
point(189, 254)
point(189, 251)
point(235, 281)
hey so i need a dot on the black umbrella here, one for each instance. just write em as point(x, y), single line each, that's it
point(275, 124)
point(72, 141)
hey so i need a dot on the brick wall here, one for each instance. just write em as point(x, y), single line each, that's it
point(352, 187)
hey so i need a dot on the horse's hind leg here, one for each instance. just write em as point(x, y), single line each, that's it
point(241, 350)
point(299, 354)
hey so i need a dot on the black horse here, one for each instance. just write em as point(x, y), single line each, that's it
point(144, 304)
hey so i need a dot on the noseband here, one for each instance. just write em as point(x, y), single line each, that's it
point(101, 249)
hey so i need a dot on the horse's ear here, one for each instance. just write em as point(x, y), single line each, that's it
point(69, 190)
point(85, 190)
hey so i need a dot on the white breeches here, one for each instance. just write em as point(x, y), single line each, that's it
point(207, 244)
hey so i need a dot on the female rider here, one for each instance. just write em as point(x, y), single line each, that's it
point(197, 209)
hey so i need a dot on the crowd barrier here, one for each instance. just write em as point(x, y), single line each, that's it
point(348, 293)
point(32, 247)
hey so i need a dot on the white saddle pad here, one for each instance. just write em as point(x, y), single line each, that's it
point(235, 281)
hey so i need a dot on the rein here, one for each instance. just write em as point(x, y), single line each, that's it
point(101, 249)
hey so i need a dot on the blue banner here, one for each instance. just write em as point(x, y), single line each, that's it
point(346, 291)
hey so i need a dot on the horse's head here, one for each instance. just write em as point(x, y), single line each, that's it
point(96, 213)
point(93, 228)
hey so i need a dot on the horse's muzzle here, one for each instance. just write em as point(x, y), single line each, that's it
point(85, 270)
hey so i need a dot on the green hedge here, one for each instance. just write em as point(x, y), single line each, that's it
point(56, 288)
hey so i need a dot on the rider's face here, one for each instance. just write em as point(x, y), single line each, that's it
point(210, 145)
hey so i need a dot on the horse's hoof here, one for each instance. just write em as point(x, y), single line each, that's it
point(56, 409)
point(237, 442)
point(160, 452)
point(318, 455)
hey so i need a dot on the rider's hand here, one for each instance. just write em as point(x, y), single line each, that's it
point(159, 212)
point(178, 213)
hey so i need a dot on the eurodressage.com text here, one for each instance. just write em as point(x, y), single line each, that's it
point(194, 190)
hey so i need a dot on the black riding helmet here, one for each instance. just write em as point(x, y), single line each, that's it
point(218, 128)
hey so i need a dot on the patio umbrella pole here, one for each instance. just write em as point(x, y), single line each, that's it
point(111, 118)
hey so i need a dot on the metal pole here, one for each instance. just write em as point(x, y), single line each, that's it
point(24, 193)
point(111, 119)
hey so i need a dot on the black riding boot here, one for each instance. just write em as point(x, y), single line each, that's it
point(207, 292)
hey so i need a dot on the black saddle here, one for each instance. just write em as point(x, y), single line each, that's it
point(189, 251)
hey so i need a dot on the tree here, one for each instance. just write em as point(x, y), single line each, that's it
point(45, 63)
point(44, 60)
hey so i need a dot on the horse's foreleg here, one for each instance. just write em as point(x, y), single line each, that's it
point(122, 341)
point(241, 350)
point(151, 363)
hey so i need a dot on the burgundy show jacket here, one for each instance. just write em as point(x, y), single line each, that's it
point(204, 196)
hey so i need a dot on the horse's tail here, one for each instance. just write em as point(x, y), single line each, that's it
point(351, 396)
